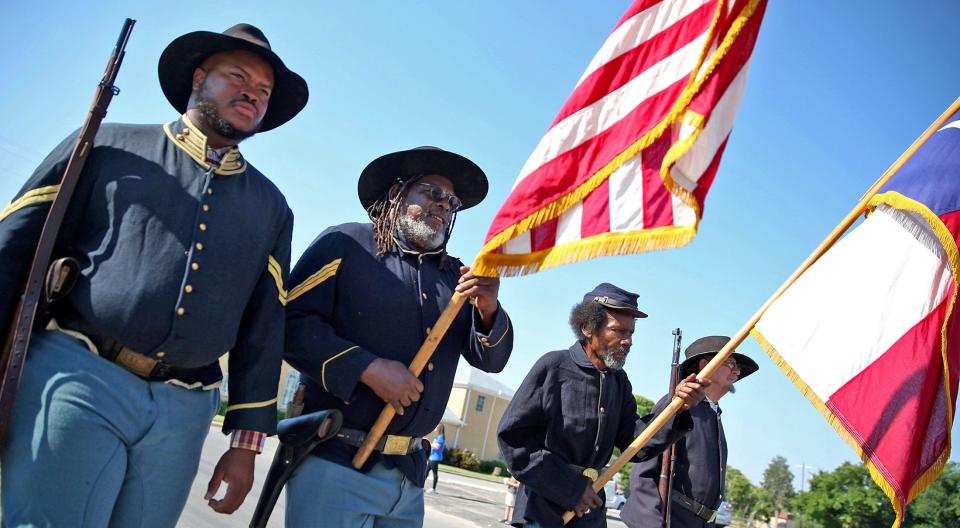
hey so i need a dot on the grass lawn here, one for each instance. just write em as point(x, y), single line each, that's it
point(461, 471)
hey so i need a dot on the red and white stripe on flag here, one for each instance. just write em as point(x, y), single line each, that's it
point(627, 163)
point(869, 333)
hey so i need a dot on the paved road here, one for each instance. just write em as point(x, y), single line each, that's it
point(461, 502)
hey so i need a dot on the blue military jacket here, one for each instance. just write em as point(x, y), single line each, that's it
point(566, 416)
point(180, 260)
point(699, 473)
point(349, 307)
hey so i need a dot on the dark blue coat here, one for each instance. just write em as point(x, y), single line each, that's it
point(350, 306)
point(180, 261)
point(565, 415)
point(699, 473)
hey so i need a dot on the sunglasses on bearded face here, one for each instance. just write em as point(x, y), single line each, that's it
point(439, 195)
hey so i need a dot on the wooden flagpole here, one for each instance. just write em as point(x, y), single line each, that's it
point(725, 352)
point(416, 367)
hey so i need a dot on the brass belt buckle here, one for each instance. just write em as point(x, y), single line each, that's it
point(138, 364)
point(396, 445)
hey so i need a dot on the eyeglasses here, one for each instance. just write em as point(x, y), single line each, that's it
point(731, 363)
point(439, 195)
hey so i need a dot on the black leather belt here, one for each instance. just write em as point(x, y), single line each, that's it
point(388, 445)
point(705, 513)
point(147, 367)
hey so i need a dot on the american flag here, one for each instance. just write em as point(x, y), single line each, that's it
point(628, 161)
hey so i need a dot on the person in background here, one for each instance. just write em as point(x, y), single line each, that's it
point(700, 470)
point(436, 455)
point(510, 498)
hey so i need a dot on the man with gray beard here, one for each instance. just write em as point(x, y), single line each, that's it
point(574, 407)
point(700, 470)
point(364, 299)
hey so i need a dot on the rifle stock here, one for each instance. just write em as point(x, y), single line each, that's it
point(17, 339)
point(669, 456)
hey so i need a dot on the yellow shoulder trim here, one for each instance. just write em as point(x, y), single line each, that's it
point(38, 195)
point(312, 281)
point(323, 369)
point(255, 405)
point(273, 267)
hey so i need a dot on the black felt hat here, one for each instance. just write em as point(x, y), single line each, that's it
point(615, 298)
point(706, 346)
point(469, 182)
point(185, 54)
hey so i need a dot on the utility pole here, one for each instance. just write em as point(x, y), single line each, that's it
point(803, 475)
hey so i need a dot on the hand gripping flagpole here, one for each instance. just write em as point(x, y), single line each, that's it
point(676, 404)
point(416, 367)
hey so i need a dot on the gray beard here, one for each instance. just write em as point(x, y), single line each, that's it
point(209, 112)
point(419, 234)
point(612, 362)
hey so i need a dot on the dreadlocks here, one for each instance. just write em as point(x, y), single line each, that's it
point(385, 214)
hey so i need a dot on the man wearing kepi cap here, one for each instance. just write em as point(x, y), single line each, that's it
point(574, 407)
point(700, 470)
point(182, 250)
point(364, 299)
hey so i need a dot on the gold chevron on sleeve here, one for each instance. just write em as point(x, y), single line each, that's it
point(312, 281)
point(38, 195)
point(277, 272)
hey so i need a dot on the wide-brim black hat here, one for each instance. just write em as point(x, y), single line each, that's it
point(469, 182)
point(185, 54)
point(709, 345)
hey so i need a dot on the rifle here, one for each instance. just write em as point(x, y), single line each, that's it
point(670, 456)
point(14, 350)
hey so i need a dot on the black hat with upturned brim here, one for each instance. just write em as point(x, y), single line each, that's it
point(469, 182)
point(706, 346)
point(185, 54)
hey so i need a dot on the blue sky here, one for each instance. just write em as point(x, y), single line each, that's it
point(837, 91)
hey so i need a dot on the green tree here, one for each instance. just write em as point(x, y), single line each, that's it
point(939, 504)
point(644, 405)
point(746, 500)
point(846, 498)
point(778, 483)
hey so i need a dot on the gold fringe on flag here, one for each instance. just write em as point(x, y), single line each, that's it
point(879, 474)
point(489, 263)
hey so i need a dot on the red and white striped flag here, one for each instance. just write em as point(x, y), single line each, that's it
point(870, 334)
point(627, 163)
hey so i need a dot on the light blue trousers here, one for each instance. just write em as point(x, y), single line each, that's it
point(92, 445)
point(324, 493)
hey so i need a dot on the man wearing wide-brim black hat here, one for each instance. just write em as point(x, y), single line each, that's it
point(364, 298)
point(701, 457)
point(573, 408)
point(182, 249)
